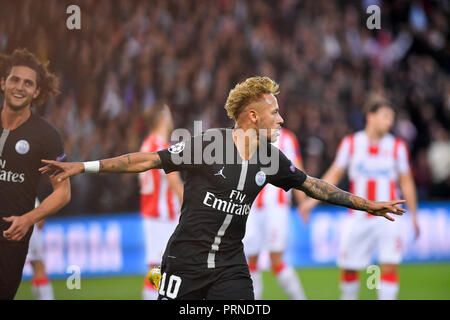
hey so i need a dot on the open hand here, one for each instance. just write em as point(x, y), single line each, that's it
point(61, 170)
point(383, 208)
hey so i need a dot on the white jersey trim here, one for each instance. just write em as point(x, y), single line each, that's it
point(217, 240)
point(243, 175)
point(3, 138)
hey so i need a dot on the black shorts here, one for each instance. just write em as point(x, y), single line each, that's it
point(12, 260)
point(223, 283)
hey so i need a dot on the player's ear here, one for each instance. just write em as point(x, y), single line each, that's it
point(253, 115)
point(37, 93)
point(2, 83)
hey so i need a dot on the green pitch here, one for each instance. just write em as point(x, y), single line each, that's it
point(416, 282)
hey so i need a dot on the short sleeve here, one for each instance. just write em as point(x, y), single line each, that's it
point(53, 146)
point(288, 176)
point(401, 154)
point(344, 152)
point(182, 156)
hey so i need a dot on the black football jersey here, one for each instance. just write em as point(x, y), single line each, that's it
point(218, 194)
point(21, 151)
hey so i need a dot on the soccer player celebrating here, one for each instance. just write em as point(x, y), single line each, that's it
point(377, 164)
point(204, 258)
point(25, 138)
point(267, 227)
point(159, 207)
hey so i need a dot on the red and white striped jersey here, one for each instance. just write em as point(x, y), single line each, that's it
point(373, 167)
point(157, 200)
point(270, 195)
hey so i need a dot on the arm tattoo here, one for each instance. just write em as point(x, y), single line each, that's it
point(156, 163)
point(322, 190)
point(124, 163)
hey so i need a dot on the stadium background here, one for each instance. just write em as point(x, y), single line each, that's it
point(129, 54)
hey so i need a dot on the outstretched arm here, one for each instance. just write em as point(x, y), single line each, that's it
point(332, 176)
point(132, 162)
point(322, 190)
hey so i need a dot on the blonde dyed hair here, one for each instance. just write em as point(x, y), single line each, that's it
point(244, 93)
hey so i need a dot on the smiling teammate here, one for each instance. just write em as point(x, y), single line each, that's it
point(25, 138)
point(204, 258)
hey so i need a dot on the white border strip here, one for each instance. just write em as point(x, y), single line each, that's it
point(217, 241)
point(243, 176)
point(3, 138)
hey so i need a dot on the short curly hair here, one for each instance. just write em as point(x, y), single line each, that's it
point(47, 82)
point(247, 92)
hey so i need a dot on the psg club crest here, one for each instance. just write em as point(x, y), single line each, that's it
point(22, 146)
point(177, 148)
point(260, 178)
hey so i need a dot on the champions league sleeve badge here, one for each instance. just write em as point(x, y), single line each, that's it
point(61, 158)
point(22, 146)
point(292, 167)
point(260, 178)
point(177, 148)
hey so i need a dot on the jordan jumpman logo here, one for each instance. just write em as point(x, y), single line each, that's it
point(220, 173)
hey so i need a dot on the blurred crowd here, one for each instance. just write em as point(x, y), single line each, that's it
point(130, 54)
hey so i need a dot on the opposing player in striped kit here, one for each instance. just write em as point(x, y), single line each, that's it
point(41, 286)
point(267, 227)
point(377, 163)
point(204, 258)
point(159, 194)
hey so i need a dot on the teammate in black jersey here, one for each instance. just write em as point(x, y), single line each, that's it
point(225, 170)
point(24, 139)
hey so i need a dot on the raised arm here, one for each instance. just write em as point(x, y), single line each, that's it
point(322, 190)
point(128, 163)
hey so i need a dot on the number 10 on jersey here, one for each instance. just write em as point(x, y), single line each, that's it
point(173, 286)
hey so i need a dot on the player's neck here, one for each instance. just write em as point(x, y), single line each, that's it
point(373, 134)
point(245, 143)
point(12, 119)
